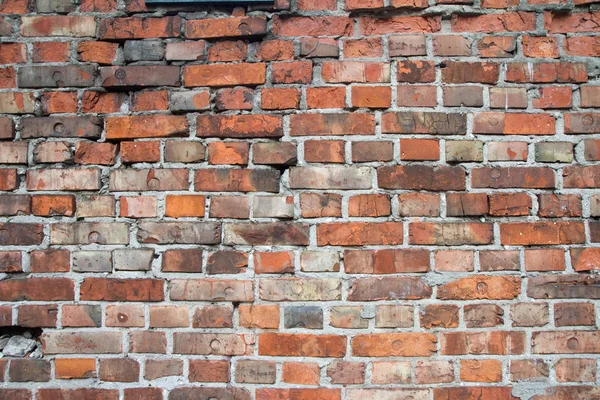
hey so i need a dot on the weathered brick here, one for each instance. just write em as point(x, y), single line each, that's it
point(450, 234)
point(79, 316)
point(372, 289)
point(20, 234)
point(212, 343)
point(184, 151)
point(394, 344)
point(119, 370)
point(96, 289)
point(421, 177)
point(62, 127)
point(312, 26)
point(423, 123)
point(559, 72)
point(439, 315)
point(56, 76)
point(387, 261)
point(15, 204)
point(518, 21)
point(90, 232)
point(487, 342)
point(82, 342)
point(125, 315)
point(255, 371)
point(58, 25)
point(293, 289)
point(562, 287)
point(139, 28)
point(142, 76)
point(481, 287)
point(38, 315)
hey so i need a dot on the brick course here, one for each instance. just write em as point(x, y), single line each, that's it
point(310, 199)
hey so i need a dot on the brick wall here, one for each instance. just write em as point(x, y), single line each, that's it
point(324, 199)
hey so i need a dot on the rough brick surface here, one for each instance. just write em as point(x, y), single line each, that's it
point(302, 199)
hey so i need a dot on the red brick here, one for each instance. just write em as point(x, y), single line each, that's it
point(150, 100)
point(178, 206)
point(359, 234)
point(301, 345)
point(480, 370)
point(554, 97)
point(235, 99)
point(50, 52)
point(100, 52)
point(355, 71)
point(237, 180)
point(150, 126)
point(332, 124)
point(542, 72)
point(209, 371)
point(228, 51)
point(219, 75)
point(369, 205)
point(419, 149)
point(270, 50)
point(394, 344)
point(586, 46)
point(239, 126)
point(324, 151)
point(300, 373)
point(211, 28)
point(487, 342)
point(540, 47)
point(571, 23)
point(421, 177)
point(386, 261)
point(259, 316)
point(325, 97)
point(273, 262)
point(134, 152)
point(299, 394)
point(371, 96)
point(542, 233)
point(74, 368)
point(466, 72)
point(497, 46)
point(513, 177)
point(504, 22)
point(280, 98)
point(363, 48)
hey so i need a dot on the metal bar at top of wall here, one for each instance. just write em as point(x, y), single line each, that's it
point(209, 1)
